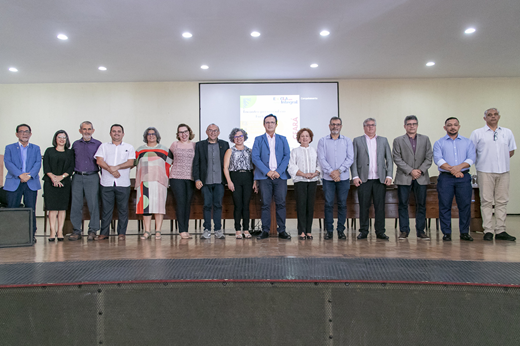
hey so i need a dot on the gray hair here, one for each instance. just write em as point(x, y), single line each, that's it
point(86, 122)
point(487, 110)
point(234, 132)
point(410, 117)
point(369, 119)
point(157, 134)
point(213, 125)
point(336, 118)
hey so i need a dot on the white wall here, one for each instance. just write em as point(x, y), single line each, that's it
point(50, 107)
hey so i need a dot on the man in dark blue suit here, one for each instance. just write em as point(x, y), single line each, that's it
point(271, 155)
point(23, 162)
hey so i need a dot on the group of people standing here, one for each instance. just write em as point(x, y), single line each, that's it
point(72, 174)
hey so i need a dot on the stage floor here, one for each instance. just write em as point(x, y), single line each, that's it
point(172, 247)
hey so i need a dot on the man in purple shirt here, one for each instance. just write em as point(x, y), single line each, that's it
point(335, 154)
point(85, 182)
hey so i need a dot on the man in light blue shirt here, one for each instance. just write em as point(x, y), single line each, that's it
point(454, 154)
point(336, 155)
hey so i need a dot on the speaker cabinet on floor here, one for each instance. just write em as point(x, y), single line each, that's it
point(16, 227)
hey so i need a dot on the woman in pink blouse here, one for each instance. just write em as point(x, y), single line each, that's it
point(181, 178)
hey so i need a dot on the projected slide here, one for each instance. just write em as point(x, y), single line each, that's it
point(253, 109)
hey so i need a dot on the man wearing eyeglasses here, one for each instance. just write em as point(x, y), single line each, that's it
point(372, 172)
point(270, 155)
point(335, 154)
point(412, 154)
point(454, 155)
point(23, 162)
point(495, 145)
point(208, 173)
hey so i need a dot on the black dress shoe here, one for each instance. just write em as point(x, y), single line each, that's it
point(328, 236)
point(446, 237)
point(34, 240)
point(488, 236)
point(504, 236)
point(466, 236)
point(382, 236)
point(263, 235)
point(341, 235)
point(284, 235)
point(362, 235)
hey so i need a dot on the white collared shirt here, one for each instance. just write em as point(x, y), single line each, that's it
point(115, 155)
point(273, 165)
point(493, 149)
point(372, 155)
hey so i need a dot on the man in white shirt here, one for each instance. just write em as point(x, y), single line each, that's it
point(495, 145)
point(115, 159)
point(372, 171)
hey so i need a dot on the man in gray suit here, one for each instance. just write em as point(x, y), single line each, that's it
point(412, 155)
point(372, 172)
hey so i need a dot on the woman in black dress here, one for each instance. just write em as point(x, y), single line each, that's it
point(58, 165)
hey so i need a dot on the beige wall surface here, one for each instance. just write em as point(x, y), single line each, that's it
point(50, 107)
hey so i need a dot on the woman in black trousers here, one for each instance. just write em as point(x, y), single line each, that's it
point(238, 169)
point(305, 172)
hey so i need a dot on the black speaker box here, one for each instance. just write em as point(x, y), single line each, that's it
point(16, 227)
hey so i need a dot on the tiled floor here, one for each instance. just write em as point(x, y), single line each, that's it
point(171, 246)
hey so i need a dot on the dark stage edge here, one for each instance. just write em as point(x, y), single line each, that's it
point(419, 271)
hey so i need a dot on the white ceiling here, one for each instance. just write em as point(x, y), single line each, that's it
point(141, 40)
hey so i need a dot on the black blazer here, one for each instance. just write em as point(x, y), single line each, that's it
point(200, 161)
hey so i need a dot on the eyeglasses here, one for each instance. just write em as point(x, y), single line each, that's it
point(370, 125)
point(183, 132)
point(24, 132)
point(62, 137)
point(270, 123)
point(212, 131)
point(335, 125)
point(151, 134)
point(412, 124)
point(241, 136)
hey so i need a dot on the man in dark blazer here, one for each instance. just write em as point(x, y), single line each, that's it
point(412, 154)
point(208, 165)
point(23, 162)
point(271, 156)
point(371, 173)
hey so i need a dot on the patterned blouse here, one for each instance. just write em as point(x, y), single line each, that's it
point(152, 164)
point(240, 160)
point(182, 161)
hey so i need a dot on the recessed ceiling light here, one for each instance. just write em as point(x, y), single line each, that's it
point(13, 69)
point(314, 65)
point(430, 63)
point(62, 37)
point(204, 67)
point(470, 30)
point(324, 33)
point(255, 34)
point(102, 68)
point(187, 34)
